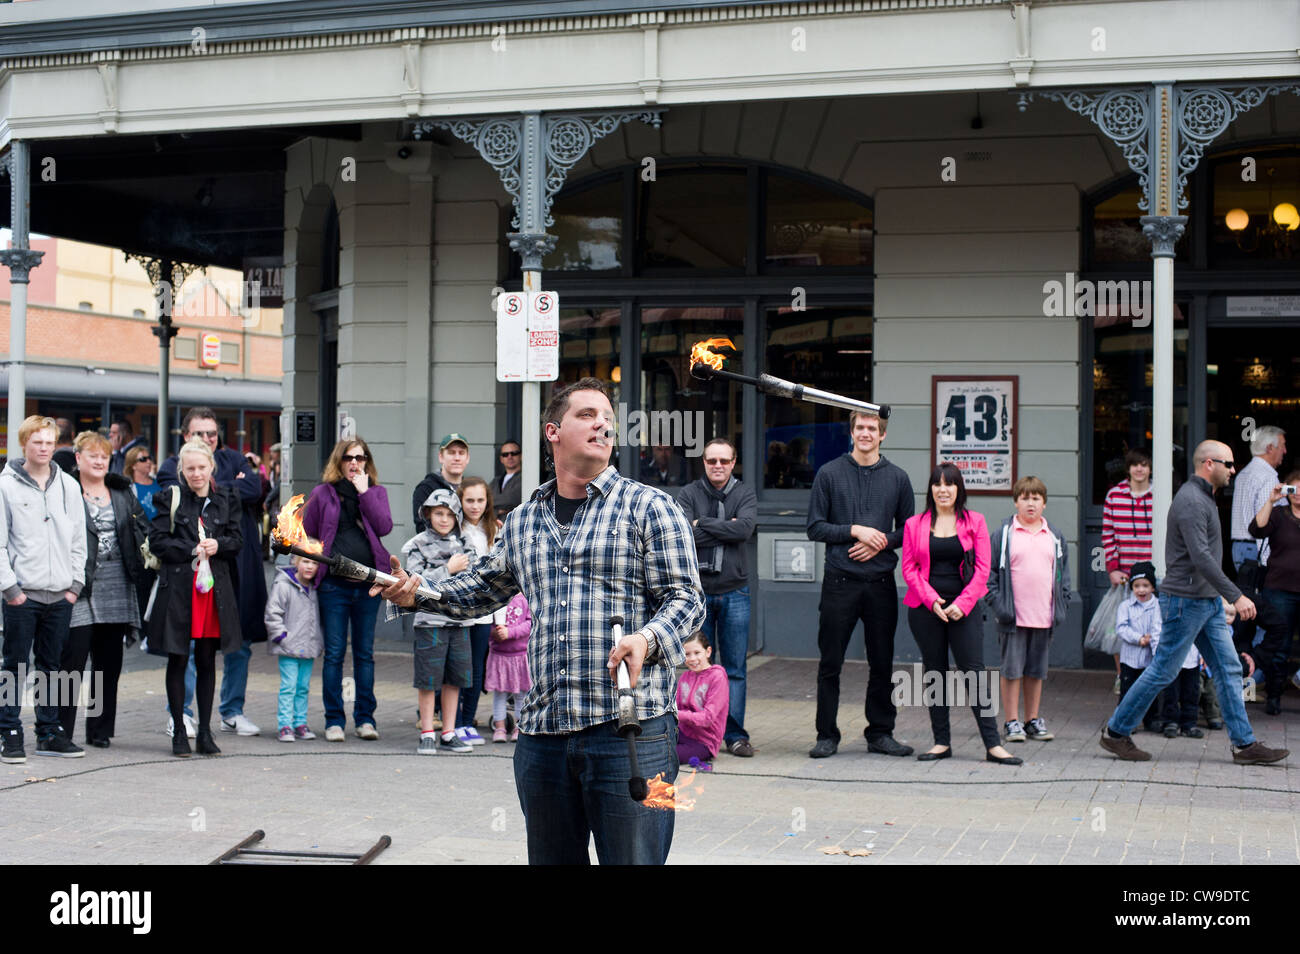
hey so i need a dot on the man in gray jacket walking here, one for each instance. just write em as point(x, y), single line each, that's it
point(42, 571)
point(1190, 611)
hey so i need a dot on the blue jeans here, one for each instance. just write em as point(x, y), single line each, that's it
point(726, 623)
point(573, 787)
point(1184, 620)
point(45, 626)
point(234, 680)
point(1243, 551)
point(339, 606)
point(1288, 605)
point(295, 678)
point(467, 707)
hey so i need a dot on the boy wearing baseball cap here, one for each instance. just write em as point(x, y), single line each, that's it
point(453, 458)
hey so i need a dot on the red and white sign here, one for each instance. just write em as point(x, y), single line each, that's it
point(512, 336)
point(210, 351)
point(543, 336)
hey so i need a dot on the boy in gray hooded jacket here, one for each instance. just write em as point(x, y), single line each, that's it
point(293, 633)
point(442, 654)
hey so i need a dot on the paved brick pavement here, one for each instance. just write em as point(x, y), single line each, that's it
point(1069, 803)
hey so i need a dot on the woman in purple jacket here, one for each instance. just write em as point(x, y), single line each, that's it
point(348, 513)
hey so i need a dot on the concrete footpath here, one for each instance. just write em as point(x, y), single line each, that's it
point(1070, 803)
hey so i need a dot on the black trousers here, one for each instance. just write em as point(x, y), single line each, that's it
point(1127, 676)
point(1182, 698)
point(101, 643)
point(844, 602)
point(965, 639)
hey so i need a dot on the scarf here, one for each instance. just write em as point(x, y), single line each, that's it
point(710, 558)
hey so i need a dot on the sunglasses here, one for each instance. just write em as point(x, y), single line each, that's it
point(510, 453)
point(714, 461)
point(356, 457)
point(1226, 463)
point(143, 457)
point(203, 433)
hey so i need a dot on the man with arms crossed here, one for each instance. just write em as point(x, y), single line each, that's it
point(589, 545)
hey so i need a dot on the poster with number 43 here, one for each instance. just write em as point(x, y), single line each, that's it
point(974, 427)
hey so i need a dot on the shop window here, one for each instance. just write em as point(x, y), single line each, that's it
point(229, 352)
point(1122, 399)
point(827, 347)
point(679, 413)
point(809, 226)
point(694, 218)
point(588, 229)
point(1255, 219)
point(589, 346)
point(185, 349)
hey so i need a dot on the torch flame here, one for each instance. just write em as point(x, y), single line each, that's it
point(670, 797)
point(289, 529)
point(702, 352)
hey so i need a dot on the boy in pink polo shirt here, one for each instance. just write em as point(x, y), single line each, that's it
point(1029, 591)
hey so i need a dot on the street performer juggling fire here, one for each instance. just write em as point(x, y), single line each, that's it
point(590, 545)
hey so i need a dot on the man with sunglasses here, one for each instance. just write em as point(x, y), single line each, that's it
point(235, 472)
point(1191, 612)
point(723, 512)
point(505, 486)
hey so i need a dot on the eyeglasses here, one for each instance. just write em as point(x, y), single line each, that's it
point(715, 461)
point(203, 433)
point(510, 453)
point(356, 457)
point(1226, 463)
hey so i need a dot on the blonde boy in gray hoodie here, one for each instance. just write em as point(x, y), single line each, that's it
point(293, 633)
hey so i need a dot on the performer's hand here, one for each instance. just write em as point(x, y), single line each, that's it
point(1245, 607)
point(632, 648)
point(401, 593)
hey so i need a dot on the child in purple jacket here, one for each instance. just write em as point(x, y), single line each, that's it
point(702, 695)
point(507, 664)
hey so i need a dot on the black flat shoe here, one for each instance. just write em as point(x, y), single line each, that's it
point(888, 745)
point(1009, 760)
point(935, 756)
point(204, 744)
point(181, 744)
point(99, 743)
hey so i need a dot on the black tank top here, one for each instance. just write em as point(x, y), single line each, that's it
point(945, 566)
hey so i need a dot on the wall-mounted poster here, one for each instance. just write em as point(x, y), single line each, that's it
point(974, 426)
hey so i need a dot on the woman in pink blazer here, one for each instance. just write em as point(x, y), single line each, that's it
point(946, 567)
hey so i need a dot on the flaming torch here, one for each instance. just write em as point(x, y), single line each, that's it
point(288, 536)
point(706, 364)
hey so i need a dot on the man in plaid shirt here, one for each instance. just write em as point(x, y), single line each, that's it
point(589, 545)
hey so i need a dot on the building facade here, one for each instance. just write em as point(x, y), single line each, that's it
point(874, 197)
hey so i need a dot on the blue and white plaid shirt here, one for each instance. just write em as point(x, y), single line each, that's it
point(631, 553)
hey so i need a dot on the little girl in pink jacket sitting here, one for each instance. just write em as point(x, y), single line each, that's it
point(702, 695)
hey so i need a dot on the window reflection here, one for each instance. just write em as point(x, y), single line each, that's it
point(808, 225)
point(589, 229)
point(694, 218)
point(1122, 399)
point(1256, 222)
point(1117, 236)
point(830, 348)
point(679, 412)
point(589, 346)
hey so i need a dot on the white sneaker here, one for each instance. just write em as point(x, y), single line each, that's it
point(367, 731)
point(334, 733)
point(467, 734)
point(240, 726)
point(190, 729)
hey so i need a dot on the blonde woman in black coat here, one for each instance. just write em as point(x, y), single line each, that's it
point(183, 615)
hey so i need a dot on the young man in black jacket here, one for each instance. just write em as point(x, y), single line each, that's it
point(723, 512)
point(859, 504)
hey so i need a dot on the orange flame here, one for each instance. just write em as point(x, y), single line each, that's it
point(289, 530)
point(670, 797)
point(702, 352)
